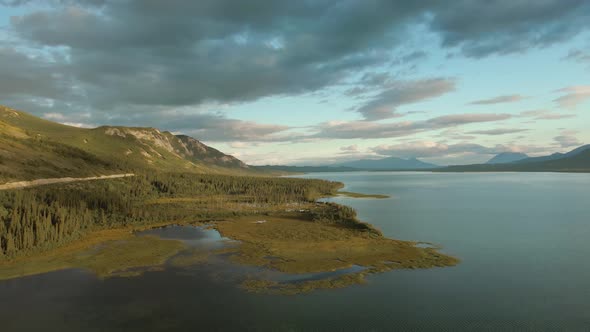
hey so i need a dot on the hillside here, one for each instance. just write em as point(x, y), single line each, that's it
point(31, 147)
point(577, 160)
point(391, 163)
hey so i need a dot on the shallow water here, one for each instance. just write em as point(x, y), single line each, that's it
point(523, 239)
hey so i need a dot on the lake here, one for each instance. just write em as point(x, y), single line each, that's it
point(523, 240)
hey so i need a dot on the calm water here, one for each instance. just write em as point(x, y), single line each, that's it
point(524, 242)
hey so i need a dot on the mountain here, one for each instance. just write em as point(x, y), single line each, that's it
point(507, 157)
point(31, 147)
point(557, 155)
point(554, 156)
point(305, 169)
point(197, 151)
point(577, 160)
point(391, 163)
point(578, 150)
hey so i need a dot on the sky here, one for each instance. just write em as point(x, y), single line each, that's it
point(310, 82)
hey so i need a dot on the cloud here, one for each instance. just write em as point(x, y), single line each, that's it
point(183, 53)
point(187, 53)
point(367, 129)
point(461, 119)
point(15, 3)
point(203, 125)
point(350, 149)
point(482, 28)
point(212, 127)
point(567, 139)
point(455, 134)
point(573, 96)
point(498, 100)
point(421, 149)
point(497, 131)
point(444, 153)
point(25, 76)
point(411, 57)
point(578, 56)
point(546, 115)
point(154, 63)
point(243, 145)
point(369, 82)
point(400, 93)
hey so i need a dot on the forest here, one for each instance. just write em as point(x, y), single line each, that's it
point(45, 217)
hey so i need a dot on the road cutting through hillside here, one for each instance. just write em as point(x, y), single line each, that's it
point(41, 182)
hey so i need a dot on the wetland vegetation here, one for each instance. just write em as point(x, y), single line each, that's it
point(278, 223)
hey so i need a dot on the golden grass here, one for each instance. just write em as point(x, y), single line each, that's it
point(292, 245)
point(191, 258)
point(288, 243)
point(105, 253)
point(273, 287)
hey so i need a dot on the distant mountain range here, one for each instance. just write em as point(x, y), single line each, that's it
point(577, 160)
point(385, 164)
point(390, 163)
point(507, 157)
point(305, 169)
point(31, 148)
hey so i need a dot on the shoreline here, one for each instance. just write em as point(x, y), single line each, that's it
point(289, 243)
point(292, 232)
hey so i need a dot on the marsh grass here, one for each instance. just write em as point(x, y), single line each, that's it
point(294, 245)
point(104, 253)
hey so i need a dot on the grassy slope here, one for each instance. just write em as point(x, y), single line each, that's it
point(31, 148)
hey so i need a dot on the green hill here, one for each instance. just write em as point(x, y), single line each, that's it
point(31, 148)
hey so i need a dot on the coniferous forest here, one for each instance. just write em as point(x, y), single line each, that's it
point(48, 216)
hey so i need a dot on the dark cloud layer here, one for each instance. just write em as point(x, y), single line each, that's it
point(481, 28)
point(124, 56)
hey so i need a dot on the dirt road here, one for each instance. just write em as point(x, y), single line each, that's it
point(41, 182)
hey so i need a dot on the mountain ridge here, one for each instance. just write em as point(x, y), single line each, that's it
point(384, 164)
point(576, 160)
point(32, 147)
